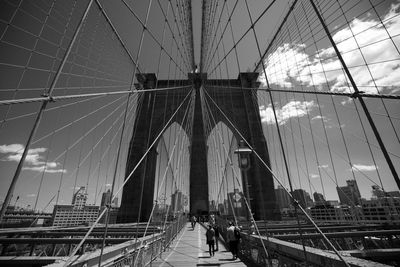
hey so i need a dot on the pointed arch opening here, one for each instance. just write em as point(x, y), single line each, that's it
point(171, 186)
point(225, 181)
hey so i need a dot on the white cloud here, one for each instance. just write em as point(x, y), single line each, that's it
point(13, 148)
point(34, 160)
point(323, 166)
point(15, 151)
point(290, 64)
point(43, 168)
point(51, 164)
point(314, 176)
point(360, 167)
point(290, 110)
point(319, 117)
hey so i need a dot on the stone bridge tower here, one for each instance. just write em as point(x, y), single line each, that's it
point(241, 106)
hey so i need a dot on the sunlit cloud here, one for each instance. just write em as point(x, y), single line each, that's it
point(290, 110)
point(34, 161)
point(319, 117)
point(365, 168)
point(314, 176)
point(43, 168)
point(13, 148)
point(290, 65)
point(325, 166)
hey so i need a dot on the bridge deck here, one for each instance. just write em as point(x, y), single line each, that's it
point(190, 249)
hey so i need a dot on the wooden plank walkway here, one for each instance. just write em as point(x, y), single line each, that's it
point(190, 249)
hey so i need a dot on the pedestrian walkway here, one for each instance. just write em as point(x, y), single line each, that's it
point(190, 249)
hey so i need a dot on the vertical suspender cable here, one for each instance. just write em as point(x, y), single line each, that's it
point(40, 113)
point(295, 203)
point(359, 96)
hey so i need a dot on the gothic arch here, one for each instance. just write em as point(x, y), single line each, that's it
point(241, 108)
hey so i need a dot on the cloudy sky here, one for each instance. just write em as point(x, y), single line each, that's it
point(343, 146)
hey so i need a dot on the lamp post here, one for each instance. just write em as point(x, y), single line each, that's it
point(244, 164)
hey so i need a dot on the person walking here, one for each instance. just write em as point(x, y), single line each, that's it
point(193, 221)
point(210, 236)
point(233, 237)
point(216, 230)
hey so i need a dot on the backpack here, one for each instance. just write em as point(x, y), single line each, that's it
point(236, 232)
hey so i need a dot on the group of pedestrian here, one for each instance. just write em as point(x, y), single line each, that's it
point(212, 236)
point(232, 238)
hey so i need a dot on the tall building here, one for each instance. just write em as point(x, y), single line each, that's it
point(213, 205)
point(79, 198)
point(221, 208)
point(105, 198)
point(78, 213)
point(176, 202)
point(319, 199)
point(350, 194)
point(302, 197)
point(282, 198)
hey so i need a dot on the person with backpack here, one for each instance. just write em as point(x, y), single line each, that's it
point(233, 237)
point(210, 236)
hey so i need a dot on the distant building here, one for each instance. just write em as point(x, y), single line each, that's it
point(78, 213)
point(113, 212)
point(302, 197)
point(20, 217)
point(350, 194)
point(79, 198)
point(319, 199)
point(236, 204)
point(328, 213)
point(282, 198)
point(177, 202)
point(112, 215)
point(105, 198)
point(377, 192)
point(333, 202)
point(213, 205)
point(393, 194)
point(384, 209)
point(221, 208)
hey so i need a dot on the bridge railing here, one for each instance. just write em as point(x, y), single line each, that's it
point(283, 253)
point(139, 252)
point(148, 251)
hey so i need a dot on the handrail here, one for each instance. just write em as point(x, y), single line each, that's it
point(125, 253)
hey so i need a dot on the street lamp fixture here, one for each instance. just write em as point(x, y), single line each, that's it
point(243, 155)
point(244, 164)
